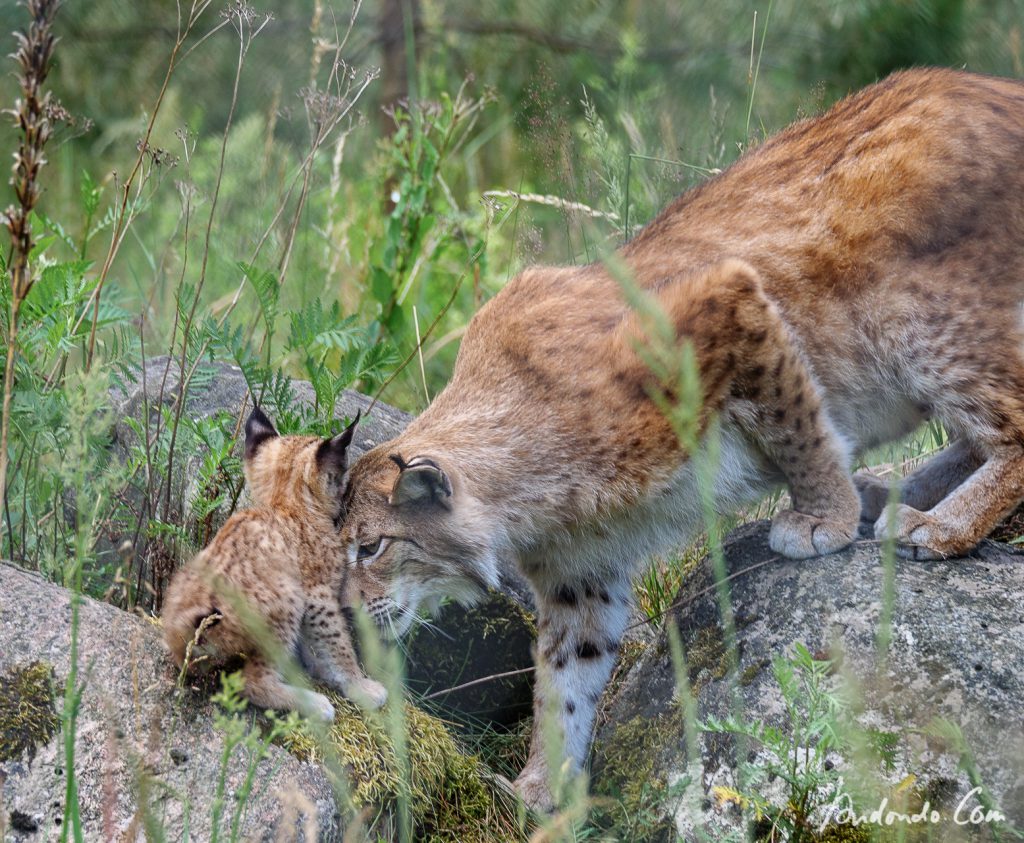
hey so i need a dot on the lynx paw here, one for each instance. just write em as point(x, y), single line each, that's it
point(367, 693)
point(532, 787)
point(800, 536)
point(874, 495)
point(316, 706)
point(918, 535)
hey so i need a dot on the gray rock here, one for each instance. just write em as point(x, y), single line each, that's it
point(136, 742)
point(957, 649)
point(221, 386)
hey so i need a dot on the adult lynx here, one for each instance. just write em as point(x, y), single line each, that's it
point(850, 277)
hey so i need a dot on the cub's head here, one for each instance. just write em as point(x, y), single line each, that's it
point(295, 474)
point(413, 535)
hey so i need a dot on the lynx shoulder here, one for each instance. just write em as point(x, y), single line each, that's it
point(849, 278)
point(272, 582)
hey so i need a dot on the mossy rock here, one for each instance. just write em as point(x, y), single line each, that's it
point(946, 688)
point(467, 644)
point(451, 795)
point(28, 718)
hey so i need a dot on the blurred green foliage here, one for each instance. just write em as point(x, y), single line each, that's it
point(564, 91)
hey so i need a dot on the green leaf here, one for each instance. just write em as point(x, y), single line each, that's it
point(268, 290)
point(89, 193)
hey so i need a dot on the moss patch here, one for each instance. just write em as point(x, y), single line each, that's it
point(707, 657)
point(632, 756)
point(752, 671)
point(451, 797)
point(841, 834)
point(28, 718)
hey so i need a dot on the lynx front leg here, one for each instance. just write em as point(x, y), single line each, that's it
point(579, 629)
point(780, 407)
point(798, 437)
point(750, 367)
point(327, 649)
point(265, 688)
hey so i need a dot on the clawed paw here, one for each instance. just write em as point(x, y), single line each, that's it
point(797, 535)
point(917, 534)
point(533, 788)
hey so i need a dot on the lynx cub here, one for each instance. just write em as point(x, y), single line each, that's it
point(282, 561)
point(848, 278)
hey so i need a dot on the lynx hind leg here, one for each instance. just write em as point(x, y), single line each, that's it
point(955, 525)
point(989, 403)
point(330, 655)
point(265, 688)
point(925, 486)
point(783, 412)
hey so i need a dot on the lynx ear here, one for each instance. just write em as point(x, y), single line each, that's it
point(421, 480)
point(258, 429)
point(332, 454)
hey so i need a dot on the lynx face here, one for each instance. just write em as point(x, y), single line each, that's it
point(410, 539)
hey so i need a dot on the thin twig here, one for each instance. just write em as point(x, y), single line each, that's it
point(245, 39)
point(120, 225)
point(479, 681)
point(425, 337)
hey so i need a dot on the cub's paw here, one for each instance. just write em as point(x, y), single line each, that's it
point(874, 495)
point(367, 693)
point(532, 787)
point(316, 706)
point(800, 536)
point(918, 535)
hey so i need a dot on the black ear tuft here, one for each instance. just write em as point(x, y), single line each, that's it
point(332, 454)
point(349, 432)
point(258, 429)
point(421, 481)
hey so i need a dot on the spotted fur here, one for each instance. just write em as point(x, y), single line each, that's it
point(854, 275)
point(276, 572)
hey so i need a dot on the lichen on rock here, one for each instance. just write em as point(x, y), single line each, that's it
point(632, 772)
point(28, 718)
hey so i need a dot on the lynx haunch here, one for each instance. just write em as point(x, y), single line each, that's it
point(852, 276)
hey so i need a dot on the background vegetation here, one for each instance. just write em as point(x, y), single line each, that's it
point(308, 188)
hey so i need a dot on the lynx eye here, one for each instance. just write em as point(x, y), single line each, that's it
point(371, 551)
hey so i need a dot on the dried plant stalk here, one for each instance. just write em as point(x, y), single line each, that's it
point(34, 113)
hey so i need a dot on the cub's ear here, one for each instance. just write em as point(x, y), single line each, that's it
point(332, 454)
point(258, 429)
point(421, 480)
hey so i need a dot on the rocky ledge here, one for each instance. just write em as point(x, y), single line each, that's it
point(942, 692)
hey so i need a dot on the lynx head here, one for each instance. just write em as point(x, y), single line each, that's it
point(413, 535)
point(295, 474)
